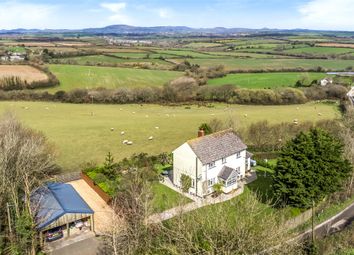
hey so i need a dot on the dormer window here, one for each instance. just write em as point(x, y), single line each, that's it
point(211, 165)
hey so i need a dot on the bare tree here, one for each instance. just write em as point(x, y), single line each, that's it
point(26, 160)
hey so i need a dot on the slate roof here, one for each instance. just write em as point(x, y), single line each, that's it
point(54, 200)
point(226, 172)
point(215, 146)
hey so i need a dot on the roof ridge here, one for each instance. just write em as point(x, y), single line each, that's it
point(212, 134)
point(55, 196)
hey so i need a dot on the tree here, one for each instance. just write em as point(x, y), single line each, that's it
point(207, 129)
point(217, 189)
point(310, 167)
point(26, 161)
point(186, 182)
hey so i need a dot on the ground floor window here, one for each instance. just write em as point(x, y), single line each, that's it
point(211, 182)
point(231, 181)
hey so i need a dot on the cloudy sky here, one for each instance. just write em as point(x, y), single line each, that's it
point(314, 14)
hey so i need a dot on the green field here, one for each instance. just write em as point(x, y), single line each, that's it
point(108, 60)
point(80, 137)
point(271, 64)
point(266, 80)
point(320, 50)
point(73, 76)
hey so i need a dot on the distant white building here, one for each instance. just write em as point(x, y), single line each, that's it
point(209, 159)
point(326, 81)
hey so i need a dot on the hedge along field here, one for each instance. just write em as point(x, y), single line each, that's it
point(266, 80)
point(271, 64)
point(320, 50)
point(82, 137)
point(74, 76)
point(108, 60)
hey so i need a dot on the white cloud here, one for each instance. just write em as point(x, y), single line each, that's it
point(25, 15)
point(114, 7)
point(117, 12)
point(164, 13)
point(328, 14)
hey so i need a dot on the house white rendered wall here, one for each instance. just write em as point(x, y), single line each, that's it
point(185, 162)
point(231, 161)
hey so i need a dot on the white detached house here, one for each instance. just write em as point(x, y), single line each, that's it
point(209, 159)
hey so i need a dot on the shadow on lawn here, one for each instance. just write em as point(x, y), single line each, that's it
point(263, 186)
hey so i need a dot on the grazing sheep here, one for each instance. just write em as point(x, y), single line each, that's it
point(319, 114)
point(122, 133)
point(47, 108)
point(120, 109)
point(151, 137)
point(112, 129)
point(26, 108)
point(245, 115)
point(157, 127)
point(125, 141)
point(133, 112)
point(297, 108)
point(146, 116)
point(130, 143)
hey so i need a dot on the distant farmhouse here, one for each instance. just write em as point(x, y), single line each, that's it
point(221, 157)
point(13, 56)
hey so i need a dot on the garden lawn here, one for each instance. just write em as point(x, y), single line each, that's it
point(74, 76)
point(166, 198)
point(80, 137)
point(266, 80)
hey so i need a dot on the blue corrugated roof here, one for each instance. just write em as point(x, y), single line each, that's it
point(54, 200)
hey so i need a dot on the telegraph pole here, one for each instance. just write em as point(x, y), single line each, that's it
point(313, 222)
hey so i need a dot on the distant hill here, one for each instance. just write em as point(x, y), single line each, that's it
point(162, 30)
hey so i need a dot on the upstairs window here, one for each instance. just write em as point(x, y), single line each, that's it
point(223, 160)
point(238, 155)
point(211, 165)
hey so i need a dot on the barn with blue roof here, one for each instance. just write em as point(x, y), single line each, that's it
point(60, 205)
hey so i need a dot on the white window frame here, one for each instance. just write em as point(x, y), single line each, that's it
point(223, 161)
point(238, 154)
point(211, 182)
point(211, 165)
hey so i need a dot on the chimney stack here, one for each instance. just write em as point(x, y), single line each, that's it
point(201, 133)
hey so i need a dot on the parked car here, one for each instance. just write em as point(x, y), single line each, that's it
point(54, 234)
point(253, 163)
point(165, 173)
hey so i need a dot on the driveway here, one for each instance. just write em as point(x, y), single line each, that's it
point(88, 246)
point(103, 212)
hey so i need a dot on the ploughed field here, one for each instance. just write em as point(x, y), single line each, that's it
point(82, 133)
point(25, 72)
